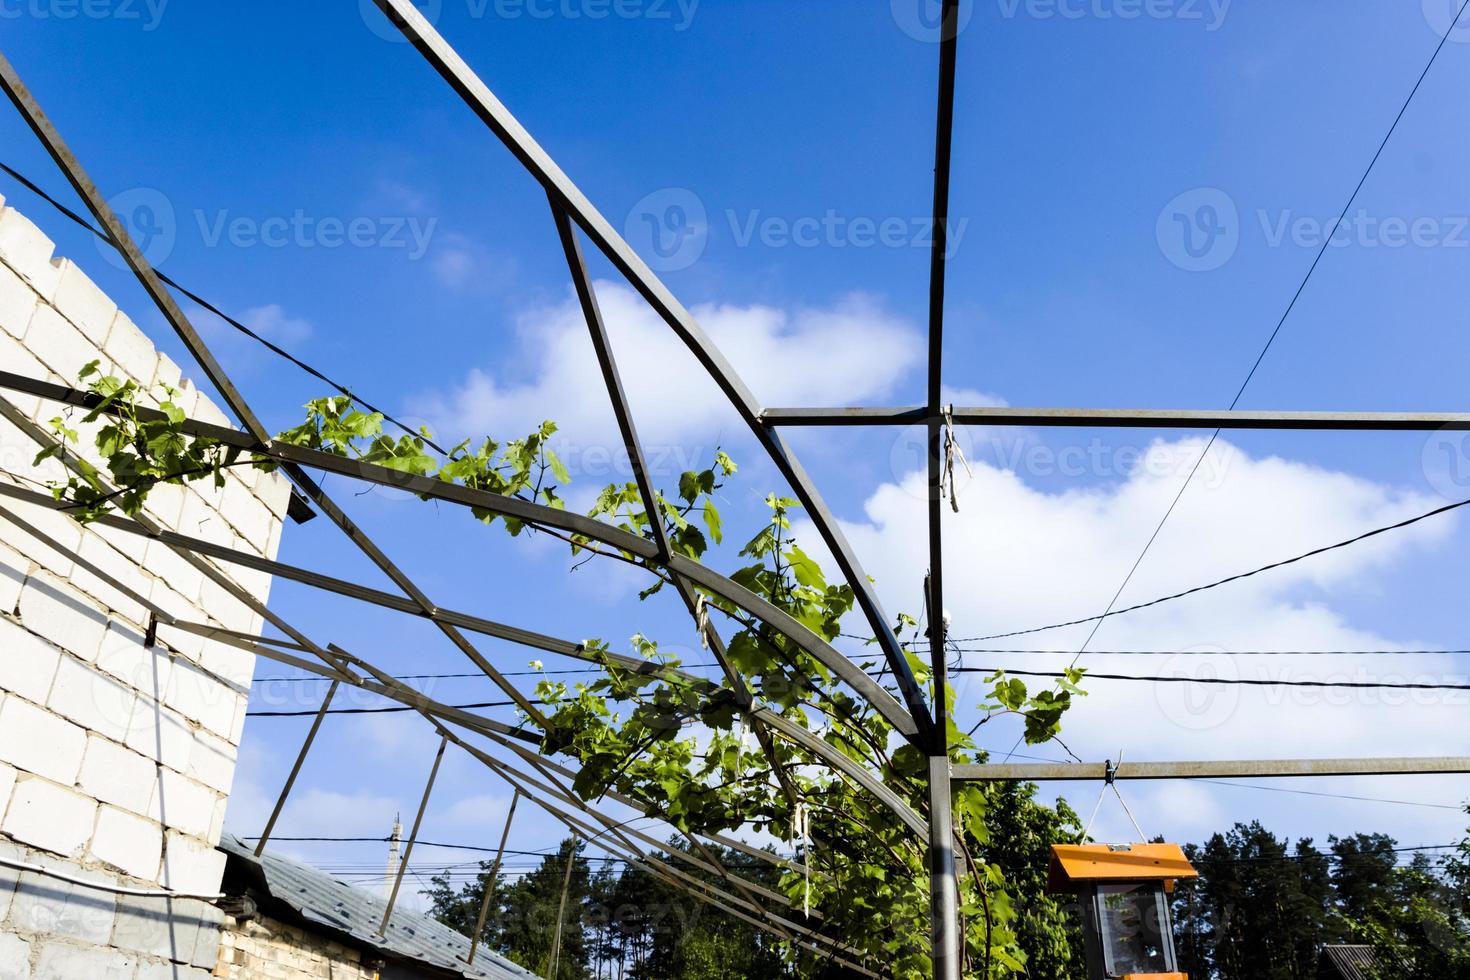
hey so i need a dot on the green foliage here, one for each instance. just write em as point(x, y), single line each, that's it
point(517, 468)
point(138, 452)
point(522, 919)
point(1421, 930)
point(679, 745)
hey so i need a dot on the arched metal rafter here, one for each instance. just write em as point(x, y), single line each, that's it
point(826, 754)
point(436, 714)
point(534, 514)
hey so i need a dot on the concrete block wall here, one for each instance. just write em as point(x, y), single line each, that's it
point(116, 758)
point(263, 947)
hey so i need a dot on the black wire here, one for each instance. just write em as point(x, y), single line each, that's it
point(1335, 796)
point(273, 348)
point(1223, 653)
point(422, 843)
point(1326, 242)
point(1224, 581)
point(374, 711)
point(491, 850)
point(953, 667)
point(474, 676)
point(1227, 681)
point(1097, 621)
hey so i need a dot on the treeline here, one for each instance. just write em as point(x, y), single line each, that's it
point(1262, 909)
point(617, 922)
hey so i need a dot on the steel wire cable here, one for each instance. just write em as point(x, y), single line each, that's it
point(274, 348)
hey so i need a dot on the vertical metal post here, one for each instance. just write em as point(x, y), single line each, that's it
point(270, 825)
point(412, 837)
point(561, 912)
point(943, 880)
point(493, 877)
point(943, 884)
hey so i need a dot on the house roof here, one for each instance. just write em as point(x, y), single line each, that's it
point(1347, 963)
point(350, 912)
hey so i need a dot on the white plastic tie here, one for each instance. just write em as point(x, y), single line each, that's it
point(701, 619)
point(952, 451)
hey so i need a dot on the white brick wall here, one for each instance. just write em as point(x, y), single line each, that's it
point(116, 759)
point(127, 841)
point(50, 817)
point(38, 741)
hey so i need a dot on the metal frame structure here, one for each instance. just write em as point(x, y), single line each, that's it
point(919, 716)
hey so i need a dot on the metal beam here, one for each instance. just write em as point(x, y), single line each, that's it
point(478, 97)
point(96, 203)
point(491, 879)
point(800, 736)
point(316, 726)
point(1253, 768)
point(623, 412)
point(529, 787)
point(946, 945)
point(1128, 418)
point(413, 837)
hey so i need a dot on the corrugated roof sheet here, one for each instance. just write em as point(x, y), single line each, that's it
point(339, 906)
point(1350, 962)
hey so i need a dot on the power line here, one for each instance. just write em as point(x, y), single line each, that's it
point(1301, 288)
point(1335, 796)
point(469, 676)
point(1226, 681)
point(375, 711)
point(1223, 653)
point(470, 873)
point(1225, 581)
point(1097, 621)
point(272, 347)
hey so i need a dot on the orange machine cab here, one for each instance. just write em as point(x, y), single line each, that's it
point(1123, 890)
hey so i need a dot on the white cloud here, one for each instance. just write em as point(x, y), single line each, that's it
point(1019, 557)
point(462, 265)
point(850, 353)
point(478, 811)
point(272, 323)
point(238, 352)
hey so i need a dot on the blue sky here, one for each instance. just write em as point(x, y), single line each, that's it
point(1087, 142)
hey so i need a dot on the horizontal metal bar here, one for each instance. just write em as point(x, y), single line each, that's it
point(1254, 768)
point(1129, 418)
